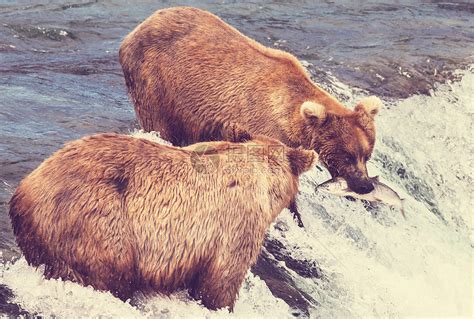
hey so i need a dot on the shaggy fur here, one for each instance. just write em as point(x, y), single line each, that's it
point(187, 72)
point(126, 214)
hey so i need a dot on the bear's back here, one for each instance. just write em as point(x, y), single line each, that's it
point(191, 29)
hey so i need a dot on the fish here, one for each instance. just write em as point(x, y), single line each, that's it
point(381, 193)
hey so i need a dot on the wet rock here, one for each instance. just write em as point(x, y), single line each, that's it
point(457, 6)
point(80, 70)
point(32, 32)
point(304, 268)
point(281, 226)
point(391, 78)
point(77, 5)
point(281, 284)
point(9, 309)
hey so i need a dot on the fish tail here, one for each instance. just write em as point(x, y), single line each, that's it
point(402, 209)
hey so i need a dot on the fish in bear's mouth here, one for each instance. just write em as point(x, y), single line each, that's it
point(381, 193)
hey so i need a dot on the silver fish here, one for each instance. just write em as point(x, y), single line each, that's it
point(381, 193)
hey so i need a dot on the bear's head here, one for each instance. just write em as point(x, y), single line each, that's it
point(344, 142)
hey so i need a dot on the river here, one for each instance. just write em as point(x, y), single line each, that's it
point(60, 80)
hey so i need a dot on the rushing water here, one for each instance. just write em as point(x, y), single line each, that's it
point(60, 80)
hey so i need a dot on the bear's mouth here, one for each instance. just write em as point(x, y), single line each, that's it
point(360, 185)
point(357, 184)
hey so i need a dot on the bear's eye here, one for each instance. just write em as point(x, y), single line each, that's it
point(348, 160)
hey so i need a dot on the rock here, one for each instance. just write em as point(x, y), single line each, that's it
point(304, 268)
point(8, 308)
point(279, 280)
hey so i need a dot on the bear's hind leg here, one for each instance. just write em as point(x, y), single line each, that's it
point(220, 288)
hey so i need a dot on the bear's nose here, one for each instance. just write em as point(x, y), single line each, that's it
point(361, 186)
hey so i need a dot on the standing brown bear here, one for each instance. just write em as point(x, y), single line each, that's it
point(125, 214)
point(187, 72)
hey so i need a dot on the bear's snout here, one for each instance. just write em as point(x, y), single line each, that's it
point(360, 186)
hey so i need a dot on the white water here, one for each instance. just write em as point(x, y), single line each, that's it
point(374, 264)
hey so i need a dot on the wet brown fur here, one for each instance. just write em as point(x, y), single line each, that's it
point(187, 72)
point(126, 214)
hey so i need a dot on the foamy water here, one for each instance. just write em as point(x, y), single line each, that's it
point(374, 263)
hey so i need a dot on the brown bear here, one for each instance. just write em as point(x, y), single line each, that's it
point(125, 214)
point(187, 72)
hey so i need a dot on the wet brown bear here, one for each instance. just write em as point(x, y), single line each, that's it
point(187, 71)
point(126, 214)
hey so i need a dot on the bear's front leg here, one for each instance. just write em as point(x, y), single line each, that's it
point(296, 214)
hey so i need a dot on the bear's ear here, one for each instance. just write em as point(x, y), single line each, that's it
point(312, 111)
point(301, 160)
point(370, 105)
